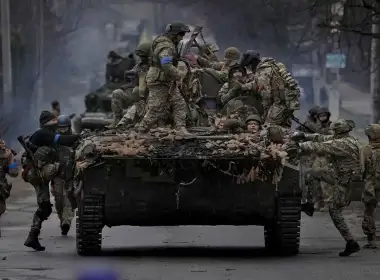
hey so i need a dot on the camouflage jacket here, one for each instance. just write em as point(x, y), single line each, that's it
point(276, 84)
point(164, 62)
point(370, 156)
point(323, 128)
point(343, 153)
point(7, 162)
point(230, 90)
point(142, 70)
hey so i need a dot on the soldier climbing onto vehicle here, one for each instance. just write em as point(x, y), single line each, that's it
point(370, 161)
point(126, 96)
point(164, 79)
point(41, 169)
point(343, 152)
point(280, 91)
point(63, 205)
point(8, 166)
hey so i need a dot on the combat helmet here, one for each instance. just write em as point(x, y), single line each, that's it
point(342, 126)
point(232, 53)
point(255, 118)
point(64, 121)
point(373, 132)
point(144, 49)
point(322, 110)
point(176, 27)
point(235, 68)
point(314, 111)
point(248, 57)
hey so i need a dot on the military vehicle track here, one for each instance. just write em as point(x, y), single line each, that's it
point(283, 236)
point(89, 225)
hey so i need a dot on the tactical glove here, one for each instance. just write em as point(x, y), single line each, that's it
point(298, 136)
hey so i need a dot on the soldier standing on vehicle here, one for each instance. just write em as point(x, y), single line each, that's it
point(63, 205)
point(209, 52)
point(163, 79)
point(371, 194)
point(343, 152)
point(125, 96)
point(41, 169)
point(231, 57)
point(280, 91)
point(8, 166)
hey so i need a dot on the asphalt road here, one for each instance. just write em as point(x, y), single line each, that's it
point(179, 252)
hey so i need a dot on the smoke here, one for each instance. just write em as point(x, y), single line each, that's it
point(75, 51)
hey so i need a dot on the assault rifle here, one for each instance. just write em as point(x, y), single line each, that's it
point(303, 125)
point(30, 155)
point(192, 41)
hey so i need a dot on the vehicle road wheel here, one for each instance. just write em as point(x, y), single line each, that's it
point(282, 237)
point(89, 225)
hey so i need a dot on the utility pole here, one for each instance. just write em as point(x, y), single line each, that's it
point(6, 56)
point(40, 43)
point(375, 65)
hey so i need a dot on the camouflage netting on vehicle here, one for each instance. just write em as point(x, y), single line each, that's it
point(266, 160)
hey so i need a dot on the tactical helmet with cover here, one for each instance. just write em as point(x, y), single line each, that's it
point(144, 49)
point(176, 27)
point(323, 110)
point(313, 111)
point(342, 126)
point(232, 53)
point(373, 132)
point(255, 118)
point(236, 68)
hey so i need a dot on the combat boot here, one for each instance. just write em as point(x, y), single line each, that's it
point(65, 227)
point(351, 247)
point(32, 239)
point(308, 208)
point(371, 242)
point(33, 242)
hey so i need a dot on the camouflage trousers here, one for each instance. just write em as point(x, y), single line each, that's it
point(63, 206)
point(133, 114)
point(5, 189)
point(318, 191)
point(339, 199)
point(370, 198)
point(120, 101)
point(160, 97)
point(41, 186)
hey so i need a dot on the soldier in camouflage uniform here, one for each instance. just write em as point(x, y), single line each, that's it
point(125, 96)
point(163, 79)
point(209, 51)
point(231, 57)
point(8, 166)
point(231, 89)
point(321, 189)
point(41, 169)
point(371, 164)
point(343, 153)
point(280, 91)
point(62, 202)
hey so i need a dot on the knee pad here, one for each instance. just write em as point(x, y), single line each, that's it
point(44, 210)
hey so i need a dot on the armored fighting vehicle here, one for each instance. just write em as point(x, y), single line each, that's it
point(162, 178)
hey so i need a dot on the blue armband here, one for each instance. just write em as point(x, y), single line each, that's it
point(56, 138)
point(13, 165)
point(166, 60)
